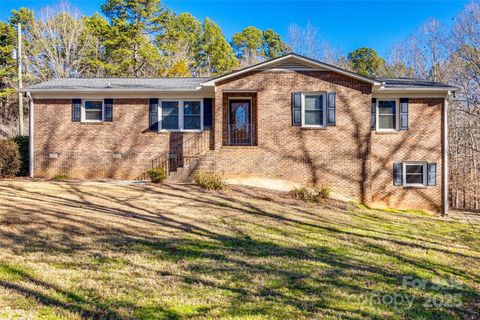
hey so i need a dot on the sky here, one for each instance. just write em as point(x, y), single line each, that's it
point(345, 25)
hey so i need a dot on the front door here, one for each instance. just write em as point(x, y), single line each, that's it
point(240, 127)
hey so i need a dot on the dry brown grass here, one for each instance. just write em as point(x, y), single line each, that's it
point(124, 251)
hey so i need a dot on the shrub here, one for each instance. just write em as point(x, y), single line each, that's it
point(9, 159)
point(61, 177)
point(23, 147)
point(209, 181)
point(157, 175)
point(315, 194)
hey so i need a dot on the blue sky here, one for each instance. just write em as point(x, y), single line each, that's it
point(344, 24)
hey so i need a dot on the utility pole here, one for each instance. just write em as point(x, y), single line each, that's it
point(20, 85)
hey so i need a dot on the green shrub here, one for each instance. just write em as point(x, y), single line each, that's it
point(157, 175)
point(23, 147)
point(9, 159)
point(315, 194)
point(209, 181)
point(61, 177)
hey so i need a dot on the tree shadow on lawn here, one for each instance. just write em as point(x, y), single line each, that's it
point(260, 276)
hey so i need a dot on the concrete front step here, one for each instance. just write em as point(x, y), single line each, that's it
point(204, 162)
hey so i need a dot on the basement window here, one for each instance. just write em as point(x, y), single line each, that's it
point(414, 174)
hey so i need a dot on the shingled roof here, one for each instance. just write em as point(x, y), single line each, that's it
point(119, 84)
point(411, 83)
point(196, 84)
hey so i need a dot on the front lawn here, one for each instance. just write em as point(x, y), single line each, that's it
point(127, 251)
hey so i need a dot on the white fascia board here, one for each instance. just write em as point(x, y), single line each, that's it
point(120, 95)
point(106, 90)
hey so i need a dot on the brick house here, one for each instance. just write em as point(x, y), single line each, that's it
point(287, 120)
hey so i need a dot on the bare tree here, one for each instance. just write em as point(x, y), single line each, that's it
point(57, 43)
point(464, 69)
point(308, 42)
point(423, 54)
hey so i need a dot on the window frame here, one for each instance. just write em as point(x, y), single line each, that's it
point(377, 114)
point(424, 173)
point(324, 109)
point(181, 111)
point(83, 110)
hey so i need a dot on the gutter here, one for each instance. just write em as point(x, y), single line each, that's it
point(105, 90)
point(31, 135)
point(445, 155)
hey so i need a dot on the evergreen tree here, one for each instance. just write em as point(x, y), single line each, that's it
point(216, 55)
point(179, 44)
point(273, 45)
point(248, 45)
point(128, 40)
point(252, 45)
point(365, 61)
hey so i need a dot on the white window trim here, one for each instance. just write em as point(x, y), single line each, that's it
point(180, 115)
point(82, 111)
point(404, 173)
point(324, 104)
point(397, 116)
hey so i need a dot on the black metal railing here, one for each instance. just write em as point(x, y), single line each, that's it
point(241, 135)
point(182, 153)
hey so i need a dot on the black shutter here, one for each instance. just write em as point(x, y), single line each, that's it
point(331, 109)
point(296, 109)
point(76, 109)
point(207, 112)
point(373, 117)
point(153, 115)
point(432, 174)
point(398, 174)
point(403, 113)
point(108, 104)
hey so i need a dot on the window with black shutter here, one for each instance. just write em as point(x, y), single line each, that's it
point(153, 115)
point(76, 110)
point(314, 109)
point(331, 109)
point(108, 110)
point(403, 113)
point(296, 109)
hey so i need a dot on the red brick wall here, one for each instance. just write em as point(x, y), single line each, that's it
point(422, 142)
point(86, 149)
point(331, 156)
point(350, 158)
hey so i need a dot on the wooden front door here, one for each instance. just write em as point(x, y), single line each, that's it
point(240, 124)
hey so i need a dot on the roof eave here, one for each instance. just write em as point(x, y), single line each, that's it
point(107, 90)
point(443, 89)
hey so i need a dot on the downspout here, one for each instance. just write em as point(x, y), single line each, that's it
point(445, 155)
point(31, 130)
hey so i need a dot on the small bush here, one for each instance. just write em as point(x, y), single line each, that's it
point(311, 194)
point(61, 177)
point(9, 159)
point(23, 147)
point(157, 175)
point(209, 181)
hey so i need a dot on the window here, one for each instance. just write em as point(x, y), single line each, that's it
point(387, 115)
point(414, 174)
point(170, 115)
point(92, 111)
point(181, 115)
point(191, 115)
point(313, 109)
